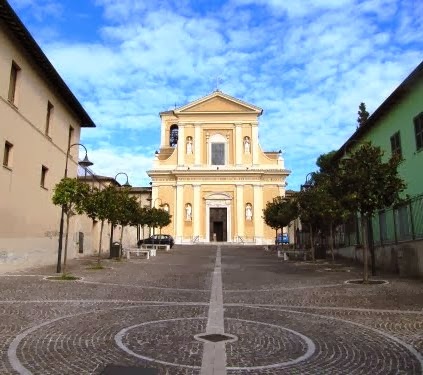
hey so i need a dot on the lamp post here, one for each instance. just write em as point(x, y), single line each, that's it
point(126, 184)
point(153, 204)
point(345, 157)
point(307, 183)
point(85, 163)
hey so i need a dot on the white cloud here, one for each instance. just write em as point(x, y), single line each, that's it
point(307, 63)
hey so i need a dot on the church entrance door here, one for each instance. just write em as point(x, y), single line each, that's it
point(219, 224)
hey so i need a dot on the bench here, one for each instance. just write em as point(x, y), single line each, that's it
point(137, 252)
point(295, 253)
point(155, 247)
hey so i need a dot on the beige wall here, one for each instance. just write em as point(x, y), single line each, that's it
point(29, 222)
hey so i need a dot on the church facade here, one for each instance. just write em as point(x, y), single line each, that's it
point(212, 175)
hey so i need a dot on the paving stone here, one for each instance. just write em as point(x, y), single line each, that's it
point(283, 317)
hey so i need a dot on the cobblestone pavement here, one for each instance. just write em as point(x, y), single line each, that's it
point(280, 317)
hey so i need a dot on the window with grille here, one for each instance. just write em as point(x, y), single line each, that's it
point(396, 144)
point(173, 135)
point(70, 136)
point(418, 130)
point(14, 75)
point(50, 108)
point(7, 156)
point(44, 171)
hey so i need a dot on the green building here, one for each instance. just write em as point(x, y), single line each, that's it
point(396, 126)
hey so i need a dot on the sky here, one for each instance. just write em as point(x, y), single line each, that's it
point(307, 63)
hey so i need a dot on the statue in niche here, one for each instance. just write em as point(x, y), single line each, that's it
point(189, 146)
point(247, 145)
point(248, 212)
point(188, 212)
point(166, 207)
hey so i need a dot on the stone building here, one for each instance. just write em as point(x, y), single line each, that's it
point(211, 173)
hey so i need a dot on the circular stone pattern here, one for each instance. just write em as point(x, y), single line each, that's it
point(265, 346)
point(300, 342)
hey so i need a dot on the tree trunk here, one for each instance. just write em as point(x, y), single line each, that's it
point(99, 246)
point(365, 248)
point(112, 229)
point(371, 245)
point(312, 244)
point(65, 254)
point(331, 241)
point(121, 242)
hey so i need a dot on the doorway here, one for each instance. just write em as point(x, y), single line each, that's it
point(218, 224)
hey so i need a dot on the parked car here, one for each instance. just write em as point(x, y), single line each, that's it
point(282, 239)
point(162, 239)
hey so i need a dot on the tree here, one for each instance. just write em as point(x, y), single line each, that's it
point(370, 184)
point(279, 213)
point(327, 182)
point(310, 204)
point(164, 219)
point(363, 115)
point(101, 205)
point(142, 218)
point(158, 218)
point(70, 193)
point(128, 208)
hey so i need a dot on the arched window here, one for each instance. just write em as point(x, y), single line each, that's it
point(173, 136)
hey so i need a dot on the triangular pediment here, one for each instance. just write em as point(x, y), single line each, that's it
point(218, 102)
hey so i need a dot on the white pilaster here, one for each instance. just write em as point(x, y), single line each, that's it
point(282, 189)
point(181, 144)
point(238, 144)
point(197, 144)
point(163, 135)
point(180, 217)
point(240, 217)
point(254, 143)
point(197, 210)
point(257, 212)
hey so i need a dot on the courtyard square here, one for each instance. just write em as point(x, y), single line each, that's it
point(210, 309)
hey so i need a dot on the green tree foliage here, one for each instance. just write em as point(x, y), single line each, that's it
point(332, 213)
point(363, 115)
point(158, 218)
point(279, 213)
point(70, 193)
point(368, 185)
point(127, 209)
point(102, 205)
point(164, 219)
point(310, 203)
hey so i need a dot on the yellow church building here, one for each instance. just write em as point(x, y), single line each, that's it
point(212, 175)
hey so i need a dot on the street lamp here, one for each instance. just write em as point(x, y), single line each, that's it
point(308, 182)
point(126, 184)
point(85, 163)
point(346, 157)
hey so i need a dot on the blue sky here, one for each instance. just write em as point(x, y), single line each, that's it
point(307, 63)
